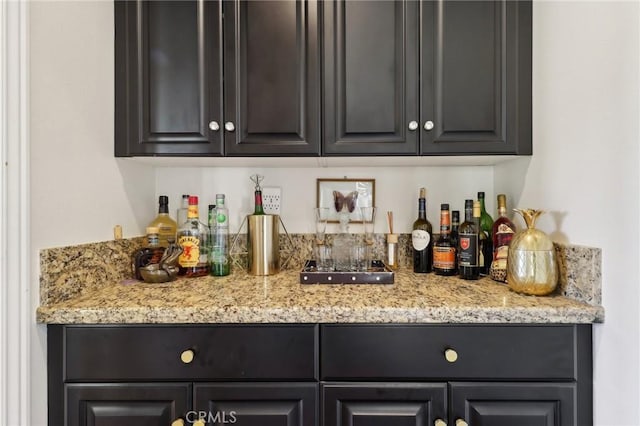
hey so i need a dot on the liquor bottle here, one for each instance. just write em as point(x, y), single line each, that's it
point(166, 226)
point(444, 253)
point(220, 261)
point(192, 237)
point(421, 238)
point(468, 268)
point(148, 255)
point(181, 214)
point(486, 225)
point(501, 235)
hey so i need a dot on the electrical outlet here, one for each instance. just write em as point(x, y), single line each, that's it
point(271, 199)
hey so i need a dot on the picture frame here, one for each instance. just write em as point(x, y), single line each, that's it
point(366, 195)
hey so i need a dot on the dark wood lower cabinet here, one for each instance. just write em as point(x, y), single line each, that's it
point(383, 404)
point(126, 404)
point(257, 404)
point(321, 374)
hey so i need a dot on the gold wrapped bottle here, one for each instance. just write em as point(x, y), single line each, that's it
point(531, 262)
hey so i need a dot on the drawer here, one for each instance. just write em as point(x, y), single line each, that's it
point(220, 352)
point(418, 352)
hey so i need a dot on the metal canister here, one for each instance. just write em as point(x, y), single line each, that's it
point(263, 244)
point(531, 262)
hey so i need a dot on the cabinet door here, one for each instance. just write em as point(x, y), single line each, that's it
point(506, 404)
point(272, 78)
point(476, 77)
point(371, 77)
point(168, 91)
point(257, 404)
point(384, 404)
point(124, 404)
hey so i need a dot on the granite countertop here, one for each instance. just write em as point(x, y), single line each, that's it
point(242, 298)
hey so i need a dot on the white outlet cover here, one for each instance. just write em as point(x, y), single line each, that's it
point(272, 199)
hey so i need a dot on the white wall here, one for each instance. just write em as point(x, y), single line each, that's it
point(78, 190)
point(585, 164)
point(584, 170)
point(397, 189)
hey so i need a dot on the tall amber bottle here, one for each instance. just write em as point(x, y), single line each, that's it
point(192, 237)
point(444, 252)
point(167, 227)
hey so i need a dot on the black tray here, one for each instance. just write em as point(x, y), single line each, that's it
point(378, 274)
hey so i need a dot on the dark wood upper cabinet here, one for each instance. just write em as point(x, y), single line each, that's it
point(334, 78)
point(168, 77)
point(371, 77)
point(476, 77)
point(272, 78)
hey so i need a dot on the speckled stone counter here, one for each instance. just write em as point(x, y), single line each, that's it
point(241, 298)
point(90, 284)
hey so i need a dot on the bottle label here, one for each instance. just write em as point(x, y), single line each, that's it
point(192, 212)
point(444, 257)
point(468, 249)
point(420, 239)
point(190, 251)
point(503, 236)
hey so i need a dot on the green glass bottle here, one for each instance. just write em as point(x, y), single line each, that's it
point(486, 226)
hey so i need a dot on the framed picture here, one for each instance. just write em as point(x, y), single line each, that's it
point(347, 195)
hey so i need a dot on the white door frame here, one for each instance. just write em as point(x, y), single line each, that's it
point(16, 317)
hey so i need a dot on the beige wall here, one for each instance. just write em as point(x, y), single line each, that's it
point(78, 190)
point(584, 167)
point(584, 170)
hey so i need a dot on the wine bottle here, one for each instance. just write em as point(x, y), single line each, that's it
point(501, 235)
point(468, 256)
point(166, 226)
point(421, 238)
point(455, 224)
point(192, 237)
point(486, 226)
point(258, 209)
point(220, 261)
point(444, 253)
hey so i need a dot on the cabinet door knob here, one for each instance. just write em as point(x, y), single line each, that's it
point(461, 422)
point(229, 127)
point(440, 422)
point(214, 126)
point(178, 422)
point(413, 125)
point(428, 125)
point(187, 356)
point(451, 356)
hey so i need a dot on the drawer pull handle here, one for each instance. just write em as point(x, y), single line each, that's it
point(461, 422)
point(451, 356)
point(440, 422)
point(187, 356)
point(178, 422)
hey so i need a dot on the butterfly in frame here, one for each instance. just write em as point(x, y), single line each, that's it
point(349, 201)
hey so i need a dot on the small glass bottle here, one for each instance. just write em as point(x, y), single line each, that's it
point(444, 253)
point(392, 251)
point(258, 210)
point(468, 257)
point(220, 261)
point(148, 255)
point(181, 213)
point(167, 227)
point(192, 237)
